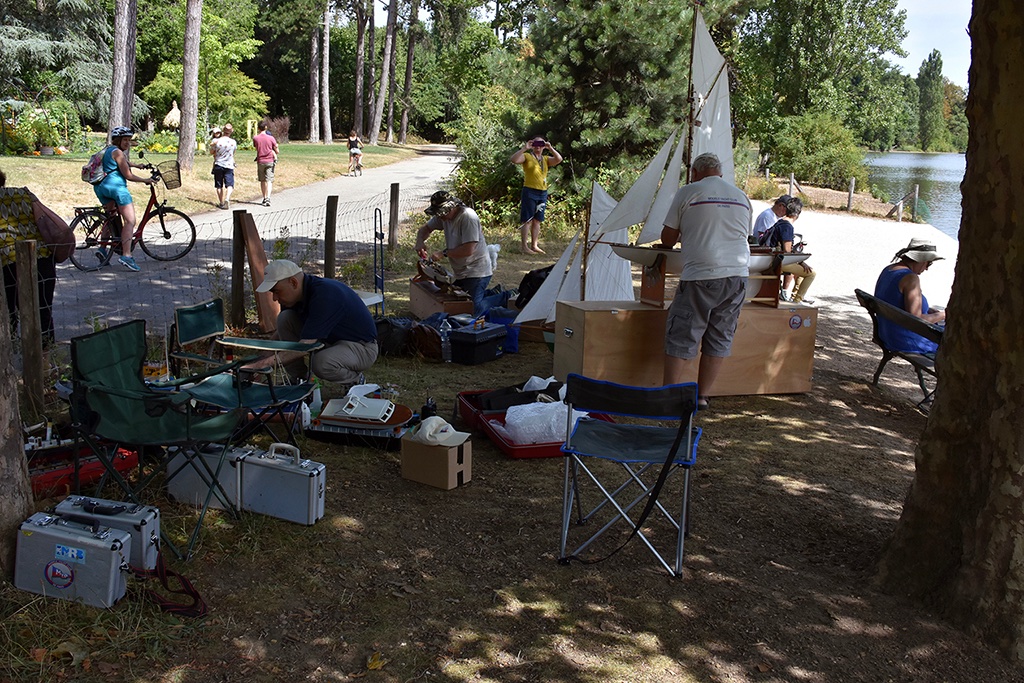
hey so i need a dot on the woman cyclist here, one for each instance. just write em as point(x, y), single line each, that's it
point(355, 154)
point(113, 190)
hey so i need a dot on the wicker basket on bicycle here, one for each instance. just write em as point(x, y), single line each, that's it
point(170, 172)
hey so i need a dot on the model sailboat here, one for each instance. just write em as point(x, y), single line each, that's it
point(600, 259)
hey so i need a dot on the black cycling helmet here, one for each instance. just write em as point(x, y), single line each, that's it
point(121, 132)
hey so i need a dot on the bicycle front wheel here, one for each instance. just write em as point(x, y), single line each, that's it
point(168, 235)
point(93, 246)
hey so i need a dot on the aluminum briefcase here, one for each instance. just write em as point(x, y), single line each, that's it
point(186, 486)
point(62, 558)
point(141, 521)
point(279, 483)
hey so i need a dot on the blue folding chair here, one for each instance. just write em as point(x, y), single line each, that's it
point(658, 441)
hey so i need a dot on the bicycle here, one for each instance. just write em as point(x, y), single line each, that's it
point(98, 230)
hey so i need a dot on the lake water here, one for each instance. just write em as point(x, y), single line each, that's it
point(938, 175)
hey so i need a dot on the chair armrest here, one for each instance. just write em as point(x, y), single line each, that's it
point(273, 345)
point(192, 379)
point(174, 398)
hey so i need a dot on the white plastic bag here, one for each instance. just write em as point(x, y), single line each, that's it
point(492, 253)
point(538, 422)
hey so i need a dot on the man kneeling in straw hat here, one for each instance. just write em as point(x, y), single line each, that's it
point(317, 309)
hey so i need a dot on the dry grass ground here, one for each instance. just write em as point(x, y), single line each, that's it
point(793, 498)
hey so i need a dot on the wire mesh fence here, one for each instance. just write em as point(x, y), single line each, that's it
point(86, 301)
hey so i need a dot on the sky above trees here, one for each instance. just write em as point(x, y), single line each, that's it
point(937, 25)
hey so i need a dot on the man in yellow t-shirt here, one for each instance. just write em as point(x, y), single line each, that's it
point(535, 188)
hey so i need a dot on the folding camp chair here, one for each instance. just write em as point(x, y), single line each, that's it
point(644, 449)
point(267, 402)
point(112, 407)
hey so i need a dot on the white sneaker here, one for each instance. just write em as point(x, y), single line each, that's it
point(785, 296)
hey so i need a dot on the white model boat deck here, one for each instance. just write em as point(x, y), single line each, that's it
point(646, 256)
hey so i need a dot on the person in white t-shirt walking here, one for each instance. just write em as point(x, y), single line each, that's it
point(223, 149)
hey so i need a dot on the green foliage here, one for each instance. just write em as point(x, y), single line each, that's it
point(232, 97)
point(933, 131)
point(795, 56)
point(608, 79)
point(954, 110)
point(56, 50)
point(486, 140)
point(159, 142)
point(819, 150)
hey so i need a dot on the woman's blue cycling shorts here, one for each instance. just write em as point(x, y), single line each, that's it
point(113, 189)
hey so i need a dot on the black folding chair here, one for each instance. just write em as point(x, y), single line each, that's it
point(658, 441)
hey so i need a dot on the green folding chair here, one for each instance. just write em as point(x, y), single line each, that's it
point(113, 407)
point(267, 402)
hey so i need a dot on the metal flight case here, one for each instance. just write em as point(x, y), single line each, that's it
point(71, 560)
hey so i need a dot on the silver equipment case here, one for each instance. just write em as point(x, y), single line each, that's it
point(188, 487)
point(141, 521)
point(66, 559)
point(279, 483)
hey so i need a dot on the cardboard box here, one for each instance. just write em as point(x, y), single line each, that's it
point(439, 466)
point(426, 299)
point(624, 342)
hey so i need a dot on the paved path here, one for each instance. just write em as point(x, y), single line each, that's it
point(112, 295)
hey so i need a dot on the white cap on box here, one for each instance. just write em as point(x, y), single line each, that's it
point(434, 431)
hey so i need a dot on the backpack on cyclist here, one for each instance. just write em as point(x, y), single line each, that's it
point(93, 172)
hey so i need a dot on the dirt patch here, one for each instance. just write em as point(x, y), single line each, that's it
point(793, 499)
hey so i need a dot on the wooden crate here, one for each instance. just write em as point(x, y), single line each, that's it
point(772, 352)
point(426, 299)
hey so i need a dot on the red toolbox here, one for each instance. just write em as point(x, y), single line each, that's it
point(52, 470)
point(468, 403)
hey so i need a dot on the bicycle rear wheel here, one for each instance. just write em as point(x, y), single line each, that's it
point(168, 235)
point(93, 246)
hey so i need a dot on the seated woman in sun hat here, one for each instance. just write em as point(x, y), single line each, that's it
point(899, 284)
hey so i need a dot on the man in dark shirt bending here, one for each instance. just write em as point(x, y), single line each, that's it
point(317, 309)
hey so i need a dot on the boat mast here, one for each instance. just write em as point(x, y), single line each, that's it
point(697, 4)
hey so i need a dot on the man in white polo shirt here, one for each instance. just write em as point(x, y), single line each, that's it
point(710, 218)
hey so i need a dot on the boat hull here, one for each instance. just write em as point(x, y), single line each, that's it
point(646, 256)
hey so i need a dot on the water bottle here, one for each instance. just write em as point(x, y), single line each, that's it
point(446, 341)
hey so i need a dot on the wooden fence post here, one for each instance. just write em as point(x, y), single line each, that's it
point(237, 270)
point(792, 181)
point(849, 200)
point(331, 237)
point(28, 316)
point(899, 211)
point(393, 218)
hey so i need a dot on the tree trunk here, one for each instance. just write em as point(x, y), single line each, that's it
point(122, 86)
point(386, 56)
point(409, 58)
point(357, 108)
point(325, 79)
point(392, 86)
point(314, 85)
point(959, 544)
point(190, 85)
point(15, 492)
point(368, 103)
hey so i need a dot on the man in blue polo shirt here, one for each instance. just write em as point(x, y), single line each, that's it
point(317, 309)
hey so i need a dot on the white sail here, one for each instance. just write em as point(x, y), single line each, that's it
point(666, 192)
point(636, 205)
point(540, 306)
point(609, 277)
point(712, 129)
